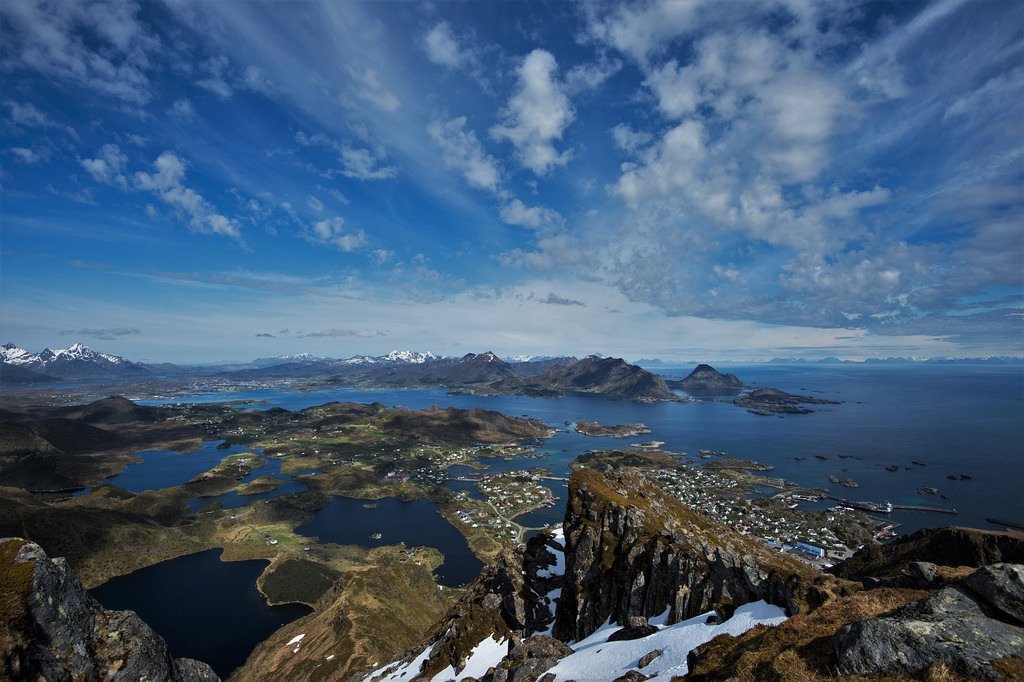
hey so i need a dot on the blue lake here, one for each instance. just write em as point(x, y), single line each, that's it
point(204, 608)
point(347, 521)
point(168, 468)
point(233, 500)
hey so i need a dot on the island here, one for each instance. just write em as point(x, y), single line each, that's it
point(772, 401)
point(706, 378)
point(619, 431)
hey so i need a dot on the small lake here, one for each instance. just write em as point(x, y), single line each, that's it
point(203, 607)
point(169, 468)
point(346, 521)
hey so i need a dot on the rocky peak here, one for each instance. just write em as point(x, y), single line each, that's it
point(631, 550)
point(52, 629)
point(708, 378)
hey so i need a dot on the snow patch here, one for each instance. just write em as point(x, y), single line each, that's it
point(485, 655)
point(296, 639)
point(401, 673)
point(596, 658)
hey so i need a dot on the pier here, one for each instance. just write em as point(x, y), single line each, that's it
point(921, 507)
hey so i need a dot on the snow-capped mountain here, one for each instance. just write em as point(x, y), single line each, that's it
point(77, 362)
point(395, 357)
point(281, 359)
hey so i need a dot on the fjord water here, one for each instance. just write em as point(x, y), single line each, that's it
point(348, 521)
point(204, 608)
point(955, 419)
point(168, 468)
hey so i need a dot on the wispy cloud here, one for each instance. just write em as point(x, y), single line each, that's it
point(111, 334)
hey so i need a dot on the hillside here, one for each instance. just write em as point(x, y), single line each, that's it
point(606, 377)
point(637, 584)
point(706, 378)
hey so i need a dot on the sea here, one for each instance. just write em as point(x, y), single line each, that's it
point(929, 421)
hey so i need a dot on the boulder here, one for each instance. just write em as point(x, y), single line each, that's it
point(947, 627)
point(1001, 586)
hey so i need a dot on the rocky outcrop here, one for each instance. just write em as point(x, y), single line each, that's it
point(509, 600)
point(633, 551)
point(951, 626)
point(52, 629)
point(528, 659)
point(707, 378)
point(950, 546)
point(607, 377)
point(769, 401)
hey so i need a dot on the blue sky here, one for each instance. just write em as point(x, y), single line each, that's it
point(228, 180)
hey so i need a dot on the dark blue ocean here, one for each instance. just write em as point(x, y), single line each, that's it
point(955, 419)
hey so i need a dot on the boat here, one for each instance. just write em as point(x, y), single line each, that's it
point(376, 536)
point(370, 505)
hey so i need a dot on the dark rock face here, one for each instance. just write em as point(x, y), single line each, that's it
point(507, 600)
point(950, 626)
point(55, 631)
point(949, 546)
point(528, 659)
point(630, 555)
point(1002, 587)
point(637, 627)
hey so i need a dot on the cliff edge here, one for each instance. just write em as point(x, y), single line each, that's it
point(54, 630)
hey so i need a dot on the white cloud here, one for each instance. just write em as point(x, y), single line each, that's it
point(462, 150)
point(215, 71)
point(591, 75)
point(108, 166)
point(364, 164)
point(537, 114)
point(534, 217)
point(256, 80)
point(629, 140)
point(314, 204)
point(442, 48)
point(28, 116)
point(28, 156)
point(368, 87)
point(643, 28)
point(331, 231)
point(100, 46)
point(167, 183)
point(182, 110)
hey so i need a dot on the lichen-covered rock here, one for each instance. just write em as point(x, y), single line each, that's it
point(648, 658)
point(52, 629)
point(1002, 588)
point(637, 627)
point(948, 627)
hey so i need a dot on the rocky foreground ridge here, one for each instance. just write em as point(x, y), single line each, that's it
point(630, 555)
point(53, 630)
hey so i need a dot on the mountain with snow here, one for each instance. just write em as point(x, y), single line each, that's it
point(395, 357)
point(306, 358)
point(77, 362)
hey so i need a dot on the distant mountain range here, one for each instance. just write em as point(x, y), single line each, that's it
point(77, 362)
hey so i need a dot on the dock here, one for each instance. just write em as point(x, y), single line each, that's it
point(1009, 524)
point(921, 507)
